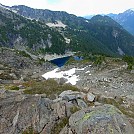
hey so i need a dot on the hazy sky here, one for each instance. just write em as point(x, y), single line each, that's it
point(77, 7)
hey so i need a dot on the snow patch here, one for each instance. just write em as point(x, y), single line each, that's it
point(87, 72)
point(67, 40)
point(14, 11)
point(69, 75)
point(120, 51)
point(57, 24)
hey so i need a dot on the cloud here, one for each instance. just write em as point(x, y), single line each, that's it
point(53, 1)
point(83, 7)
point(77, 7)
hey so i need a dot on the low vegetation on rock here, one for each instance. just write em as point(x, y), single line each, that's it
point(49, 87)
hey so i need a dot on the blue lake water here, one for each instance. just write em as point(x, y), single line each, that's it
point(78, 58)
point(61, 61)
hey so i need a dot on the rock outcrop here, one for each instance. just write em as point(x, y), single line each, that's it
point(20, 113)
point(104, 119)
point(23, 113)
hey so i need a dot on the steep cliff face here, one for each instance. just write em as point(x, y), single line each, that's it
point(126, 19)
point(21, 33)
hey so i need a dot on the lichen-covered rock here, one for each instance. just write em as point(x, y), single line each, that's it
point(105, 119)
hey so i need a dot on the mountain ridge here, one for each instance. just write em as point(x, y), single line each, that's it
point(98, 35)
point(125, 19)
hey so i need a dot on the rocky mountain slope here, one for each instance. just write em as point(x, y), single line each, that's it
point(102, 98)
point(126, 19)
point(25, 34)
point(58, 32)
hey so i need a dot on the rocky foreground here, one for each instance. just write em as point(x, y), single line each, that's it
point(68, 114)
point(102, 100)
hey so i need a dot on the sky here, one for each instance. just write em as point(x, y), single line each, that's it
point(77, 7)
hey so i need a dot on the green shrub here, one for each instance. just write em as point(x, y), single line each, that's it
point(41, 61)
point(12, 87)
point(74, 109)
point(59, 126)
point(49, 87)
point(129, 60)
point(24, 54)
point(99, 60)
point(130, 67)
point(30, 130)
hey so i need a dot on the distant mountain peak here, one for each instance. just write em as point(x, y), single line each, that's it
point(126, 19)
point(132, 9)
point(3, 6)
point(104, 20)
point(129, 11)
